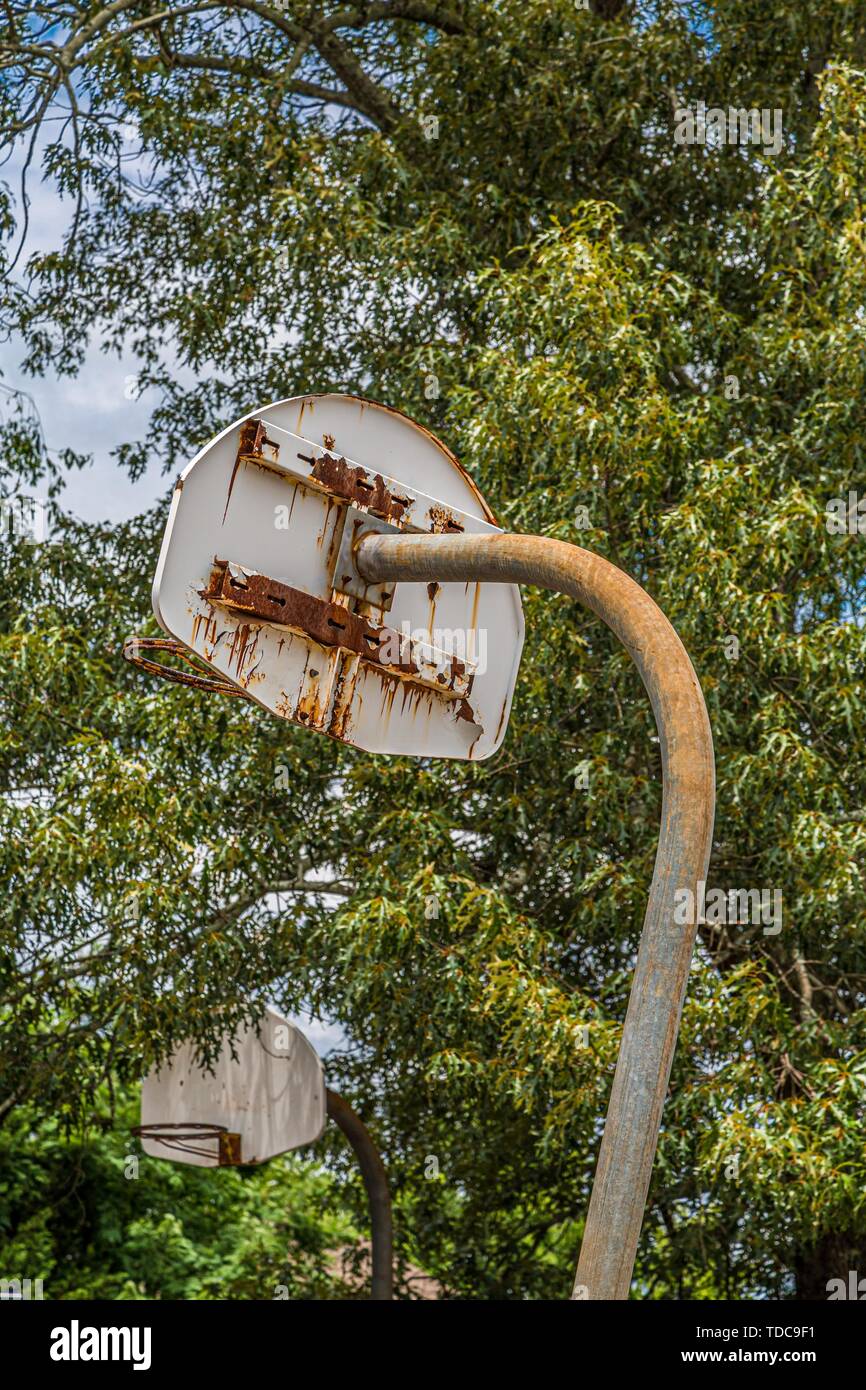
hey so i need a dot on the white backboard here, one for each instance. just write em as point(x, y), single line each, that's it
point(415, 668)
point(271, 1093)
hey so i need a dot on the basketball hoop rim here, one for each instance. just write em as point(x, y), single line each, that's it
point(182, 1135)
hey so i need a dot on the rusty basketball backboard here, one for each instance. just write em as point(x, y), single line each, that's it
point(257, 578)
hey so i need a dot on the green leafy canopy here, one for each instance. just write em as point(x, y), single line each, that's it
point(653, 350)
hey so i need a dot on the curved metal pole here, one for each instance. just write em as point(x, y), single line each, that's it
point(376, 1183)
point(658, 990)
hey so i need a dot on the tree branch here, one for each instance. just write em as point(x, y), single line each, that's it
point(246, 67)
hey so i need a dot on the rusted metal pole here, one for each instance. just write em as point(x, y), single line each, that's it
point(376, 1183)
point(658, 990)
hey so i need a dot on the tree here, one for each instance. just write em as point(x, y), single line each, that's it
point(648, 348)
point(90, 1218)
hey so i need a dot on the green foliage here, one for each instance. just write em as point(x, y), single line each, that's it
point(652, 350)
point(92, 1217)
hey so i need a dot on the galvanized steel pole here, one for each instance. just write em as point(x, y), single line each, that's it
point(376, 1183)
point(658, 990)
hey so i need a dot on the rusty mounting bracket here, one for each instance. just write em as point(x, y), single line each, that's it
point(372, 493)
point(254, 441)
point(346, 577)
point(241, 590)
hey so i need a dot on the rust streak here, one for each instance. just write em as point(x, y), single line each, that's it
point(474, 622)
point(238, 458)
point(253, 438)
point(443, 521)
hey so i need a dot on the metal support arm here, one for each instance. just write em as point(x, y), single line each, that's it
point(376, 1183)
point(640, 1082)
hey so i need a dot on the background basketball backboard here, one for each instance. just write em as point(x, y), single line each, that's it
point(267, 1093)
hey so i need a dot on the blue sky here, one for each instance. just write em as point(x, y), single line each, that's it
point(90, 412)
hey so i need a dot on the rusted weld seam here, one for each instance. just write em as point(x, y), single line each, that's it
point(658, 990)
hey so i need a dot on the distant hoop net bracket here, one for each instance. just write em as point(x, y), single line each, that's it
point(134, 646)
point(187, 1138)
